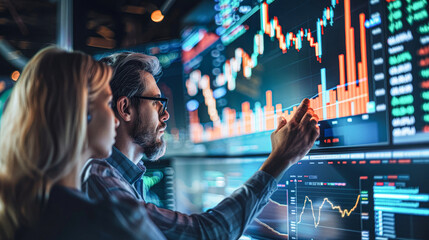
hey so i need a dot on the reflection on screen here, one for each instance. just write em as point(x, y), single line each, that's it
point(360, 195)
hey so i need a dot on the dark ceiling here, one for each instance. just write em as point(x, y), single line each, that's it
point(98, 25)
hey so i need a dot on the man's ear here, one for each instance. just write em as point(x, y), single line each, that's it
point(123, 106)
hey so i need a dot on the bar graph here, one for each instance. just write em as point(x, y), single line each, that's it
point(350, 97)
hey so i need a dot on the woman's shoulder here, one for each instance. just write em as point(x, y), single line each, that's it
point(70, 214)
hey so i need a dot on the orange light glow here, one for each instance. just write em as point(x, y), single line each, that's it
point(157, 16)
point(15, 75)
point(2, 86)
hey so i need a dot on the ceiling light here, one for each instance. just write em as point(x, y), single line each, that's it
point(157, 16)
point(15, 75)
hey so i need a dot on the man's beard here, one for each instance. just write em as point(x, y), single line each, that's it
point(152, 148)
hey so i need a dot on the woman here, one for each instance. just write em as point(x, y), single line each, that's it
point(59, 116)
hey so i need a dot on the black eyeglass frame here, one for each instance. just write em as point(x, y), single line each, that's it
point(164, 102)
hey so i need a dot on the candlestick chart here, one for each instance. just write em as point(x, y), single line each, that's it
point(280, 54)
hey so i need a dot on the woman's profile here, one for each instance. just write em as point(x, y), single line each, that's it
point(58, 116)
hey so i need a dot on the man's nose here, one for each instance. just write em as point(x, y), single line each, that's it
point(165, 116)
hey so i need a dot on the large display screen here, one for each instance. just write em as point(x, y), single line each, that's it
point(365, 67)
point(363, 64)
point(379, 195)
point(358, 195)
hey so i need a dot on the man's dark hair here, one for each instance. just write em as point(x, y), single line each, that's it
point(127, 72)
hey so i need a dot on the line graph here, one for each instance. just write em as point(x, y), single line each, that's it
point(271, 223)
point(343, 213)
point(321, 207)
point(270, 228)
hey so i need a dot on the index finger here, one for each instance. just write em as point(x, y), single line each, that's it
point(302, 109)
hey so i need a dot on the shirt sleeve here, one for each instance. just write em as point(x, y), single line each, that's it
point(227, 220)
point(101, 181)
point(133, 221)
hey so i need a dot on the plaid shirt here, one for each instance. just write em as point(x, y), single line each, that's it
point(117, 175)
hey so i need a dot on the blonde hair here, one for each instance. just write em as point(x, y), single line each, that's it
point(43, 130)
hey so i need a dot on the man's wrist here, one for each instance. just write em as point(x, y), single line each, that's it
point(275, 166)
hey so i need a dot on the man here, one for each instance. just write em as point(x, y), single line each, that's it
point(142, 113)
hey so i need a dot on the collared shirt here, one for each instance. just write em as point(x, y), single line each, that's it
point(228, 220)
point(69, 214)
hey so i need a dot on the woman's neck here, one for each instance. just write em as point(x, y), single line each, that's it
point(71, 180)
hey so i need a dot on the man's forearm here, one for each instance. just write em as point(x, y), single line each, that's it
point(227, 220)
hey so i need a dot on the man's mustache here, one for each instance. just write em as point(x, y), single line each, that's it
point(163, 126)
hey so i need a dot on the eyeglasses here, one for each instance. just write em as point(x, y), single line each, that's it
point(163, 101)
